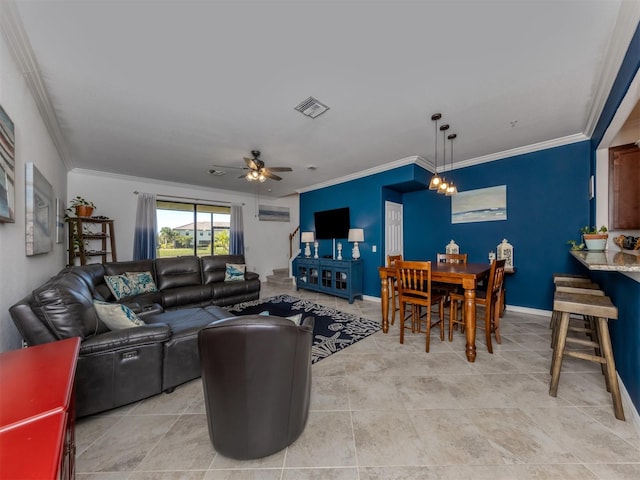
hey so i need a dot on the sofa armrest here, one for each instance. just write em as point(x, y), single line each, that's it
point(251, 276)
point(150, 308)
point(129, 337)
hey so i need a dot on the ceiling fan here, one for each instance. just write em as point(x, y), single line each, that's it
point(256, 171)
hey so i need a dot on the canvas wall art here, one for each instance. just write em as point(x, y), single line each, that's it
point(270, 213)
point(7, 169)
point(482, 205)
point(40, 212)
point(59, 220)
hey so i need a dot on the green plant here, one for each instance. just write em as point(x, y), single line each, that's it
point(79, 201)
point(575, 245)
point(587, 230)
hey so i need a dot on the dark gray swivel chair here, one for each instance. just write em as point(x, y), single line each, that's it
point(256, 376)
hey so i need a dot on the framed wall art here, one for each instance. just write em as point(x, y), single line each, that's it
point(59, 220)
point(40, 212)
point(482, 205)
point(7, 169)
point(269, 213)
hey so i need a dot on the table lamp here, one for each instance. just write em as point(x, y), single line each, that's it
point(355, 235)
point(307, 238)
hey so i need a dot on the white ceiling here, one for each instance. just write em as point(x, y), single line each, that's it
point(167, 89)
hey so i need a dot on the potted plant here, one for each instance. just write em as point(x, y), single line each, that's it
point(595, 238)
point(81, 207)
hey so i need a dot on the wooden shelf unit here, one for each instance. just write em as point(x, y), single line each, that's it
point(78, 237)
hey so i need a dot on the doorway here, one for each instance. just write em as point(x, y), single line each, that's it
point(393, 226)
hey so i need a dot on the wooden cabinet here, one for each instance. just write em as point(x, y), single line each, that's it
point(91, 237)
point(624, 194)
point(342, 278)
point(37, 411)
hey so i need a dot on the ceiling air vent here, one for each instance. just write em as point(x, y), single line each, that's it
point(312, 108)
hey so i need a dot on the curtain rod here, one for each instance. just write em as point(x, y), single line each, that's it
point(136, 192)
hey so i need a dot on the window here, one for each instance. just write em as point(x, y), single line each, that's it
point(189, 228)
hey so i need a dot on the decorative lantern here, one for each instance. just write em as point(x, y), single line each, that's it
point(505, 252)
point(452, 247)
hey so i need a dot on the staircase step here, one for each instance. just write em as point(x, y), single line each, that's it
point(279, 279)
point(281, 272)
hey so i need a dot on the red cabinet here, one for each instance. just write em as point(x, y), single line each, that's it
point(37, 411)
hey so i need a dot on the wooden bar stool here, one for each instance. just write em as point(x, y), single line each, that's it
point(601, 309)
point(572, 286)
point(587, 325)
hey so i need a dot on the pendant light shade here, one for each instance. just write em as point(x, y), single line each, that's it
point(435, 179)
point(451, 188)
point(442, 187)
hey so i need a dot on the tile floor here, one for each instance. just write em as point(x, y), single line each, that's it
point(385, 411)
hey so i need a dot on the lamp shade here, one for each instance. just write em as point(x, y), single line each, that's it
point(306, 237)
point(356, 235)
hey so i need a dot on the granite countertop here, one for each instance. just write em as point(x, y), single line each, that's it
point(609, 260)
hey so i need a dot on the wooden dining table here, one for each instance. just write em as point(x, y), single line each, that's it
point(468, 275)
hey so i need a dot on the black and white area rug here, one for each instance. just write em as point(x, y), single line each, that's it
point(333, 330)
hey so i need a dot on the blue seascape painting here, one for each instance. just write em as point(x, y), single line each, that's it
point(270, 213)
point(482, 205)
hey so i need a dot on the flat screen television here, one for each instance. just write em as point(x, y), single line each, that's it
point(332, 223)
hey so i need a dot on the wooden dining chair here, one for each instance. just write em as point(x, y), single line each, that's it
point(414, 288)
point(490, 299)
point(447, 288)
point(391, 262)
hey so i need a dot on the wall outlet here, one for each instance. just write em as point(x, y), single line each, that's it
point(374, 248)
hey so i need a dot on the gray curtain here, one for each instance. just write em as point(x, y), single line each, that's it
point(236, 232)
point(146, 230)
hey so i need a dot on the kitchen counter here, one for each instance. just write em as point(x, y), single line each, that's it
point(609, 260)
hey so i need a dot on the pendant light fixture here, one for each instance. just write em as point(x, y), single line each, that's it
point(452, 189)
point(435, 179)
point(442, 187)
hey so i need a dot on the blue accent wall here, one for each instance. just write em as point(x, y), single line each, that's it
point(547, 203)
point(365, 198)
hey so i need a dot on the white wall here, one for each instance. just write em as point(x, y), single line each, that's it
point(266, 243)
point(19, 274)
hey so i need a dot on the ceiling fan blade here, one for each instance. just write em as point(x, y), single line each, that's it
point(251, 163)
point(227, 167)
point(280, 169)
point(270, 175)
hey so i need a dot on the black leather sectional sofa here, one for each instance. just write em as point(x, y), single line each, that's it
point(123, 366)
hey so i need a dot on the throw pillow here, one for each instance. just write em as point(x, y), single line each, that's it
point(142, 282)
point(116, 315)
point(120, 285)
point(294, 318)
point(234, 272)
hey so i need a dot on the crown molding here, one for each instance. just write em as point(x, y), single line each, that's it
point(534, 147)
point(626, 24)
point(430, 167)
point(24, 56)
point(414, 159)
